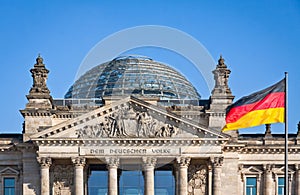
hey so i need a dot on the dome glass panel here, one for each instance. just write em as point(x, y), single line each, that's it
point(133, 75)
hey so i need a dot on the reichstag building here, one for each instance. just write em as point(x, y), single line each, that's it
point(134, 126)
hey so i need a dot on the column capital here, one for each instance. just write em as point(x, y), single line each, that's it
point(217, 161)
point(183, 161)
point(149, 161)
point(45, 162)
point(268, 168)
point(297, 167)
point(209, 165)
point(112, 162)
point(78, 161)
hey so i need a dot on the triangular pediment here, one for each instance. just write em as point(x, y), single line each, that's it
point(281, 170)
point(252, 170)
point(9, 171)
point(129, 118)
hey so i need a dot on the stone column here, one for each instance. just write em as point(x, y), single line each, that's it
point(79, 163)
point(183, 164)
point(217, 165)
point(148, 168)
point(210, 176)
point(297, 182)
point(45, 163)
point(112, 166)
point(268, 179)
point(176, 174)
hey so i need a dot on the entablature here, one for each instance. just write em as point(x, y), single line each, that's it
point(130, 142)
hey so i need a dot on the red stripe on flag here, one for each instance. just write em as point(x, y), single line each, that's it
point(273, 100)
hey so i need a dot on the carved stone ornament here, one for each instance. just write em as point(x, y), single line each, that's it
point(268, 168)
point(39, 75)
point(149, 161)
point(197, 179)
point(221, 75)
point(218, 161)
point(128, 122)
point(45, 162)
point(183, 161)
point(112, 162)
point(78, 161)
point(62, 179)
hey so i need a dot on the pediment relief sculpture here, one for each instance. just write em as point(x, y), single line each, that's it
point(128, 122)
point(128, 118)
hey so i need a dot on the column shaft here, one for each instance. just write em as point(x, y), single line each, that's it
point(45, 163)
point(210, 181)
point(148, 168)
point(183, 164)
point(268, 184)
point(217, 164)
point(217, 180)
point(149, 180)
point(112, 166)
point(297, 183)
point(183, 186)
point(45, 189)
point(268, 180)
point(113, 180)
point(79, 190)
point(176, 166)
point(79, 164)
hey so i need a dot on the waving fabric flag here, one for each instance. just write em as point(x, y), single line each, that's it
point(263, 107)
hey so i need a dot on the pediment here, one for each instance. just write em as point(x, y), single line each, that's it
point(281, 170)
point(129, 118)
point(252, 170)
point(9, 171)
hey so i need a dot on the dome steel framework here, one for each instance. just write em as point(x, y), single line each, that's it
point(133, 75)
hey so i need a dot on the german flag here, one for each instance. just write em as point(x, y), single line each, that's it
point(263, 107)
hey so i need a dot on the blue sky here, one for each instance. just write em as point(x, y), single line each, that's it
point(258, 39)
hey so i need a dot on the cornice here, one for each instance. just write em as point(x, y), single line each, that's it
point(260, 149)
point(130, 142)
point(20, 147)
point(38, 113)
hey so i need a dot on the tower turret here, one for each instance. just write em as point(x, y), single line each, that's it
point(39, 89)
point(221, 96)
point(37, 113)
point(221, 76)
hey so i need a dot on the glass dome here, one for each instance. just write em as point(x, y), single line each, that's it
point(133, 75)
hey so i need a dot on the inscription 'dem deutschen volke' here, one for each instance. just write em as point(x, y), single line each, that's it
point(129, 151)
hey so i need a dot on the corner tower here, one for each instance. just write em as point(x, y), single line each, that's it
point(221, 96)
point(38, 109)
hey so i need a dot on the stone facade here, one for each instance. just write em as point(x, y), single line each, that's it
point(60, 143)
